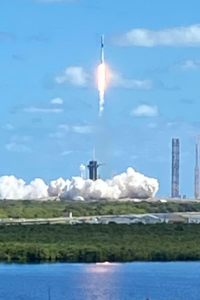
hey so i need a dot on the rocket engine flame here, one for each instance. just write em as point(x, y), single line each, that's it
point(101, 85)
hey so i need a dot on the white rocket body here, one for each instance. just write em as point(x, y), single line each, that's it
point(102, 49)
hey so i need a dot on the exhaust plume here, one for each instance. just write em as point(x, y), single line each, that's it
point(101, 85)
point(130, 184)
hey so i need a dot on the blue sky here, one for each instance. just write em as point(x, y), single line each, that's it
point(49, 53)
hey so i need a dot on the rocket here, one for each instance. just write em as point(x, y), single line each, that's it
point(102, 49)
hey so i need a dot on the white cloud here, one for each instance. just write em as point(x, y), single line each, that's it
point(57, 101)
point(66, 152)
point(171, 124)
point(48, 1)
point(152, 125)
point(8, 127)
point(145, 111)
point(64, 127)
point(120, 153)
point(159, 159)
point(82, 129)
point(116, 80)
point(42, 110)
point(178, 36)
point(74, 75)
point(14, 147)
point(189, 64)
point(133, 157)
point(56, 135)
point(25, 138)
point(186, 127)
point(6, 35)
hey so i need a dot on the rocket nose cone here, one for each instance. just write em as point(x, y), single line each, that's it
point(102, 40)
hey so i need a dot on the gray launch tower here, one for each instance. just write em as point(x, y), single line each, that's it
point(196, 171)
point(175, 167)
point(93, 167)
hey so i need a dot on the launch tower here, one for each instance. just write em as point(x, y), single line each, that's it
point(175, 168)
point(93, 167)
point(196, 171)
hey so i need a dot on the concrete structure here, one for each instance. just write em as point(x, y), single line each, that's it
point(67, 214)
point(116, 220)
point(177, 219)
point(193, 218)
point(175, 168)
point(150, 219)
point(189, 217)
point(130, 219)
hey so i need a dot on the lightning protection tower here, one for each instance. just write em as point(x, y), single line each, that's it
point(196, 171)
point(175, 168)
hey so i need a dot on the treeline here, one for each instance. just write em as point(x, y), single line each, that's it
point(98, 243)
point(51, 209)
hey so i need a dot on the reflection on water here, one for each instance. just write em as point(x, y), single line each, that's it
point(101, 268)
point(131, 281)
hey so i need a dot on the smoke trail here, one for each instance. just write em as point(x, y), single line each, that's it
point(102, 141)
point(101, 103)
point(130, 184)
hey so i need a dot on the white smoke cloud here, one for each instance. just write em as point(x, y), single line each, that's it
point(13, 188)
point(130, 184)
point(56, 186)
point(101, 102)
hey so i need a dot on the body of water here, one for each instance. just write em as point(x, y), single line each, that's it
point(131, 281)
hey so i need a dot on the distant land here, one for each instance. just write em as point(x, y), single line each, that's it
point(96, 242)
point(56, 209)
point(99, 243)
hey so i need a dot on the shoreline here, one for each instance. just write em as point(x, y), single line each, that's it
point(98, 264)
point(99, 243)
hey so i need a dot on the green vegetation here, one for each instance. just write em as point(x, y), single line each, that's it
point(91, 243)
point(51, 209)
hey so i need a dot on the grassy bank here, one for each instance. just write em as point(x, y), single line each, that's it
point(38, 209)
point(92, 243)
